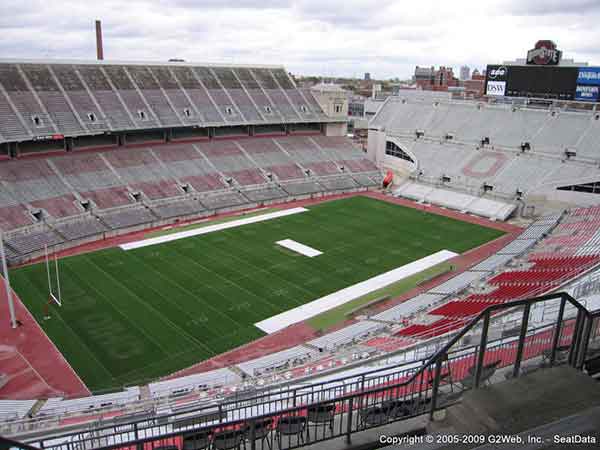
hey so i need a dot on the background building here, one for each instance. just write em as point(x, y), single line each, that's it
point(465, 73)
point(333, 99)
point(435, 80)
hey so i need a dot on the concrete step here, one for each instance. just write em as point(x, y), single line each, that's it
point(556, 401)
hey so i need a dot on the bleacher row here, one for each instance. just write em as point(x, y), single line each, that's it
point(409, 325)
point(547, 130)
point(75, 99)
point(450, 147)
point(546, 265)
point(47, 201)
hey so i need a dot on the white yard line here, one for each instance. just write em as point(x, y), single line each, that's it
point(210, 229)
point(308, 310)
point(299, 248)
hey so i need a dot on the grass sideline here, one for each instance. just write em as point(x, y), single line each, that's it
point(334, 316)
point(128, 317)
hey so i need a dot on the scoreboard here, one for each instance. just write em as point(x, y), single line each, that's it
point(543, 76)
point(551, 82)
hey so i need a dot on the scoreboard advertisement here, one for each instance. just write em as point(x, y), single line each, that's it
point(542, 76)
point(588, 84)
point(552, 82)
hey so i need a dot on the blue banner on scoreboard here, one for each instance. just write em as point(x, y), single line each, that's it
point(587, 93)
point(589, 76)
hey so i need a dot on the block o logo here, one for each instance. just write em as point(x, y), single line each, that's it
point(544, 53)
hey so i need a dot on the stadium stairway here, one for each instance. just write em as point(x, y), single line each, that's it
point(559, 400)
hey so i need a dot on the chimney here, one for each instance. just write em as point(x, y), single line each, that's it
point(99, 49)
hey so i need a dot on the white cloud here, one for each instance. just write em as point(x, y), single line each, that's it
point(337, 37)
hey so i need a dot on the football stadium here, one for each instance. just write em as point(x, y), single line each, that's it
point(198, 256)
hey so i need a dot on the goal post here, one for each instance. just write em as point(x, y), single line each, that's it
point(53, 298)
point(59, 299)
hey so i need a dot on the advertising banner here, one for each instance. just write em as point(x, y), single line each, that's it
point(587, 93)
point(497, 88)
point(497, 73)
point(589, 76)
point(495, 80)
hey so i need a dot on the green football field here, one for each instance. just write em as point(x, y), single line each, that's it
point(131, 316)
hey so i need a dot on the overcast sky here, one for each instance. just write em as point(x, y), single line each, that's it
point(325, 37)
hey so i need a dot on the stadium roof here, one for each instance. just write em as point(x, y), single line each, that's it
point(134, 63)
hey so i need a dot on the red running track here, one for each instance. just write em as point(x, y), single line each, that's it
point(35, 367)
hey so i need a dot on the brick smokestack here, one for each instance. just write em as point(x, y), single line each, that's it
point(99, 48)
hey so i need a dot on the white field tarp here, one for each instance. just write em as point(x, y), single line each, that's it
point(297, 247)
point(210, 229)
point(308, 310)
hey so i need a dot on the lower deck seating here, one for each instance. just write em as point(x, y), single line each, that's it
point(30, 242)
point(537, 273)
point(201, 381)
point(57, 404)
point(80, 228)
point(460, 308)
point(508, 292)
point(409, 307)
point(265, 193)
point(338, 183)
point(223, 200)
point(283, 359)
point(127, 217)
point(532, 277)
point(433, 329)
point(15, 409)
point(365, 180)
point(302, 187)
point(346, 335)
point(177, 209)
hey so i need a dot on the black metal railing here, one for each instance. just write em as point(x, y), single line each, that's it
point(300, 415)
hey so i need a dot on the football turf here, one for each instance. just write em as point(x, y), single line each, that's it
point(128, 317)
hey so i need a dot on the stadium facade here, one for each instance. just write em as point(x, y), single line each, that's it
point(56, 113)
point(530, 144)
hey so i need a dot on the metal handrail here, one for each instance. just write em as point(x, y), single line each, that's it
point(359, 389)
point(286, 391)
